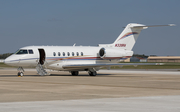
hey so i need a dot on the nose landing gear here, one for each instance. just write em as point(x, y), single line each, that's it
point(20, 72)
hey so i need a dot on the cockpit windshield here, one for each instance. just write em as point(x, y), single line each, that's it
point(24, 51)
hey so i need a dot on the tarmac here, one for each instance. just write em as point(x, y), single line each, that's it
point(109, 91)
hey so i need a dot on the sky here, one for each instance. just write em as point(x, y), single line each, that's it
point(89, 23)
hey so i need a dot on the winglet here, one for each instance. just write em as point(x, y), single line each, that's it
point(152, 26)
point(172, 24)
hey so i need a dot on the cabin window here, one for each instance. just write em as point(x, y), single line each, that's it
point(77, 54)
point(68, 54)
point(81, 53)
point(59, 54)
point(72, 53)
point(63, 53)
point(54, 53)
point(22, 51)
point(30, 51)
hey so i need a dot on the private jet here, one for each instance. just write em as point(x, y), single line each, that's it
point(79, 58)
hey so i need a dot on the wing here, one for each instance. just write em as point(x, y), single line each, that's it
point(84, 66)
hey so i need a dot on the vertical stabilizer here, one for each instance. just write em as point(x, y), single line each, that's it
point(128, 37)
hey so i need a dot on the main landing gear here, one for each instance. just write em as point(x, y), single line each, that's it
point(91, 73)
point(94, 73)
point(20, 72)
point(75, 73)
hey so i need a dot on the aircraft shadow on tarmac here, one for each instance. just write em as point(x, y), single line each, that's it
point(52, 75)
point(8, 75)
point(69, 75)
point(17, 76)
point(101, 75)
point(78, 75)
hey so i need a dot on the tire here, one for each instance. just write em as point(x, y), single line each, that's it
point(75, 73)
point(93, 73)
point(20, 74)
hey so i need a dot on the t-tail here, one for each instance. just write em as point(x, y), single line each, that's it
point(129, 36)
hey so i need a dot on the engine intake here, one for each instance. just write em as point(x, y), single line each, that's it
point(113, 53)
point(102, 52)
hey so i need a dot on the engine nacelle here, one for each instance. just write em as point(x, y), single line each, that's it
point(106, 53)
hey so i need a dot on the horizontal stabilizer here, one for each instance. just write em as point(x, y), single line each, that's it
point(152, 26)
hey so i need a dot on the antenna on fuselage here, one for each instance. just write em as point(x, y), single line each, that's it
point(74, 44)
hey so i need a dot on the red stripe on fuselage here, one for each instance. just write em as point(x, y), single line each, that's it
point(74, 58)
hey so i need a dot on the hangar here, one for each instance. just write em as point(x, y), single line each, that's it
point(163, 59)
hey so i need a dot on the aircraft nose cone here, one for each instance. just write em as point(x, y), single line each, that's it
point(10, 61)
point(7, 61)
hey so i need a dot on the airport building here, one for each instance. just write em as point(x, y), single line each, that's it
point(135, 59)
point(163, 59)
point(172, 59)
point(1, 60)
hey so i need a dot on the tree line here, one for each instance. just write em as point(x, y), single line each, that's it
point(140, 55)
point(4, 56)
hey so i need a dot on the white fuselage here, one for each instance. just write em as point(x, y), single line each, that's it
point(54, 57)
point(79, 58)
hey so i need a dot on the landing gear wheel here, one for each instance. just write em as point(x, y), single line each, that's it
point(75, 73)
point(92, 73)
point(20, 74)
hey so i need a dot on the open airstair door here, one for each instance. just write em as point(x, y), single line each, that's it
point(42, 56)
